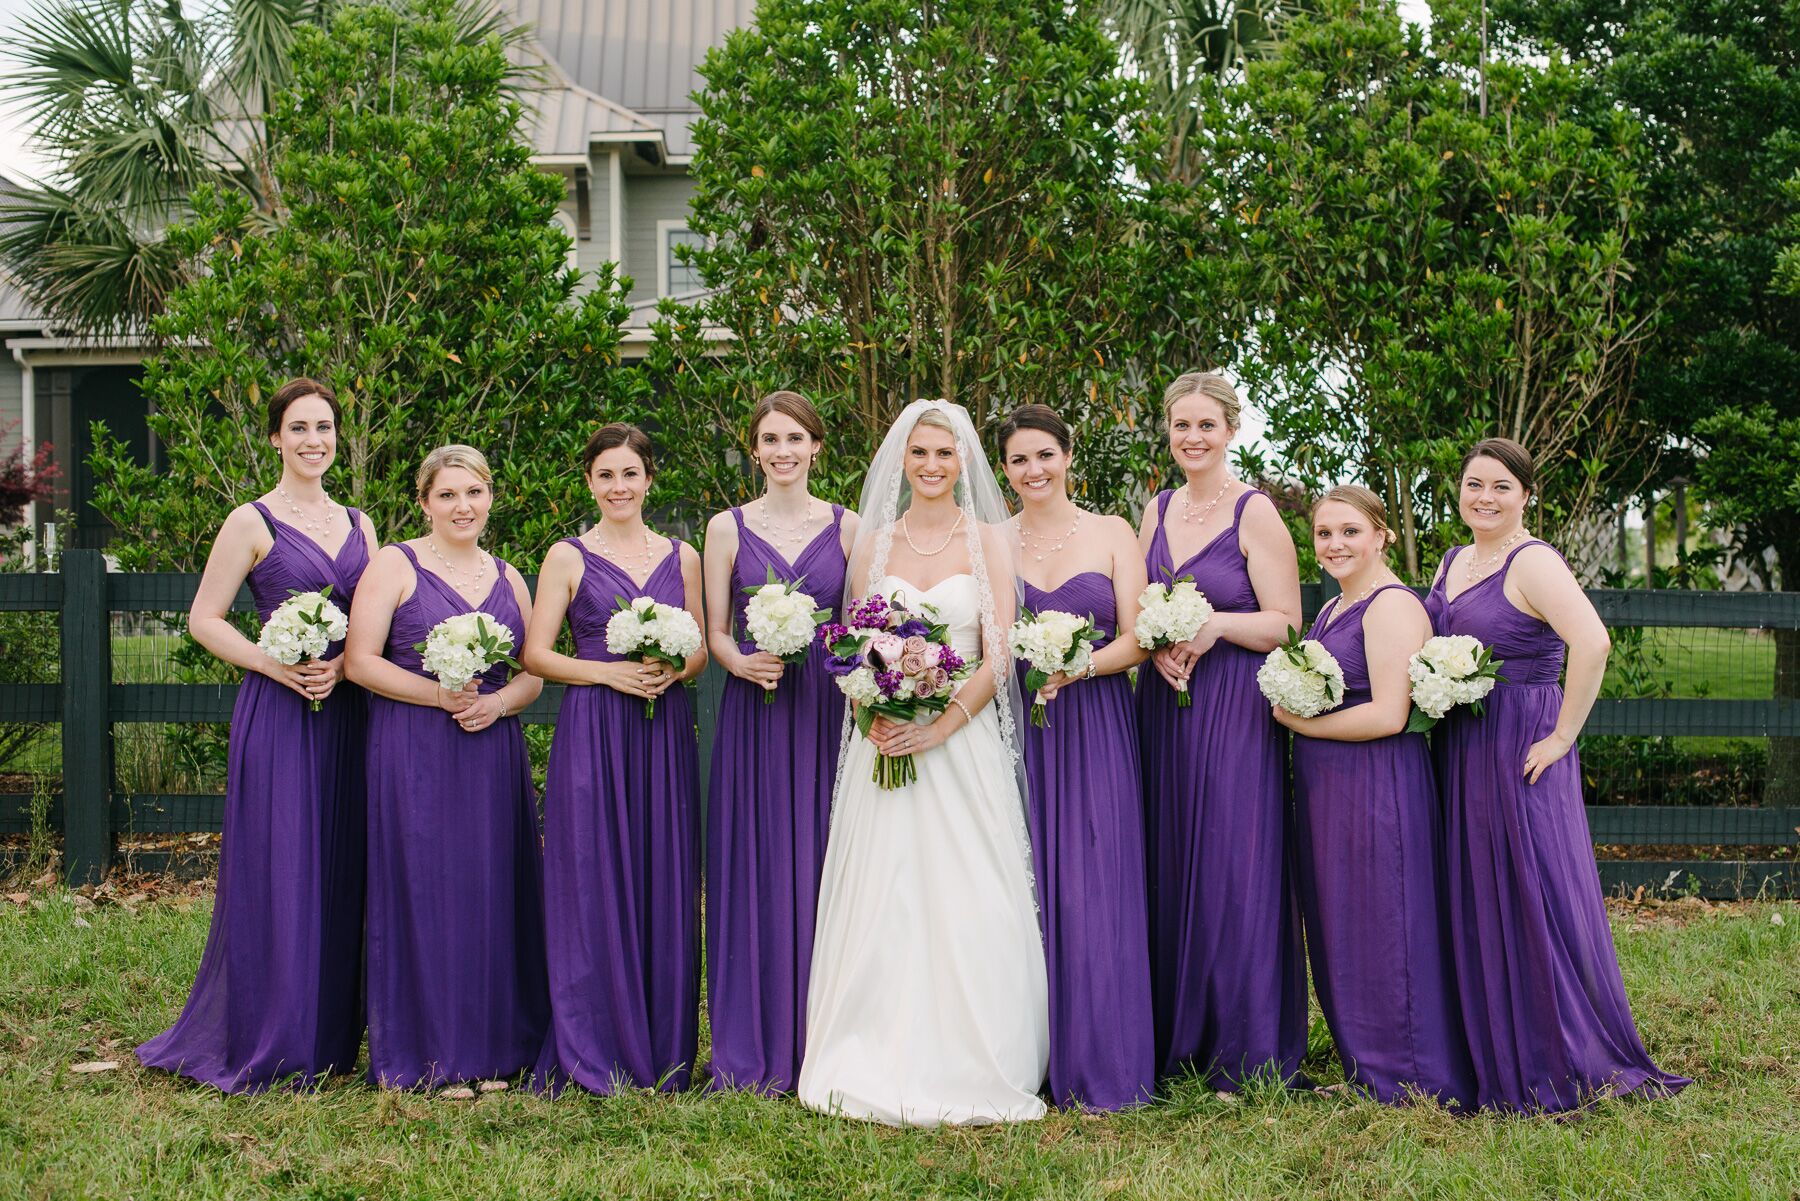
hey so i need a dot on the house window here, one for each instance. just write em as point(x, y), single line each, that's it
point(674, 277)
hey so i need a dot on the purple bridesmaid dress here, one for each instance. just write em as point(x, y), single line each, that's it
point(1368, 858)
point(279, 993)
point(1087, 846)
point(1227, 974)
point(621, 864)
point(1543, 1003)
point(768, 808)
point(455, 921)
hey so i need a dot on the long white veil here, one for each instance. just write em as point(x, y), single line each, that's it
point(885, 496)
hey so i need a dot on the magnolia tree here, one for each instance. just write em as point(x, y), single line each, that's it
point(414, 267)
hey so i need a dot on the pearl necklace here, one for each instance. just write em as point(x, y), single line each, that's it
point(786, 538)
point(457, 583)
point(1480, 571)
point(605, 548)
point(1032, 542)
point(322, 528)
point(907, 530)
point(1188, 506)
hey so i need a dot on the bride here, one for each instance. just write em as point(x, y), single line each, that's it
point(928, 1002)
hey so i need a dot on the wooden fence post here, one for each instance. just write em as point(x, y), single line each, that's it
point(86, 730)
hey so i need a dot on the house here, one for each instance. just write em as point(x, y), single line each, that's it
point(610, 115)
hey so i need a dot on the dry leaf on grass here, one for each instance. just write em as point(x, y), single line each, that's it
point(97, 1065)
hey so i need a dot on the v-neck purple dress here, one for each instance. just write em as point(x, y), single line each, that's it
point(1087, 847)
point(1369, 861)
point(455, 920)
point(279, 993)
point(1543, 1002)
point(768, 808)
point(621, 864)
point(1227, 974)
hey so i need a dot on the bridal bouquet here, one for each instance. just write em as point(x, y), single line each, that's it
point(894, 662)
point(302, 627)
point(1050, 642)
point(782, 620)
point(648, 629)
point(1169, 614)
point(1302, 677)
point(462, 647)
point(1449, 670)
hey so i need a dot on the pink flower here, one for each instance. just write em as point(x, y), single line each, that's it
point(936, 680)
point(916, 645)
point(931, 654)
point(889, 647)
point(913, 664)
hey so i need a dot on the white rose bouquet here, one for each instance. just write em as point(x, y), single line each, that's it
point(1302, 677)
point(1169, 614)
point(1449, 670)
point(302, 627)
point(1050, 642)
point(648, 629)
point(783, 621)
point(462, 647)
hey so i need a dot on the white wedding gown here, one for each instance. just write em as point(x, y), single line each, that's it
point(928, 1001)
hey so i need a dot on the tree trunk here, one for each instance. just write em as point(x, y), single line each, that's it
point(1409, 530)
point(1783, 787)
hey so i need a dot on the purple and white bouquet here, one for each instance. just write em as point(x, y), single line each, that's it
point(649, 629)
point(1050, 642)
point(782, 620)
point(896, 662)
point(302, 627)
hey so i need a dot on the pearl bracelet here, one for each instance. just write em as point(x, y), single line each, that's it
point(502, 701)
point(965, 710)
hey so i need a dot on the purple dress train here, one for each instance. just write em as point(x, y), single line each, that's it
point(1368, 859)
point(1543, 1002)
point(279, 992)
point(1228, 978)
point(621, 864)
point(455, 921)
point(768, 808)
point(1087, 847)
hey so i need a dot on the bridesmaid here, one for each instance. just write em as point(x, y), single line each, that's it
point(1368, 850)
point(1227, 975)
point(456, 986)
point(621, 801)
point(279, 992)
point(1087, 827)
point(773, 764)
point(1543, 1003)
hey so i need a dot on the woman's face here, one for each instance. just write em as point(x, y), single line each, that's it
point(1491, 499)
point(307, 438)
point(1198, 434)
point(1036, 466)
point(1345, 540)
point(456, 504)
point(932, 467)
point(619, 482)
point(784, 450)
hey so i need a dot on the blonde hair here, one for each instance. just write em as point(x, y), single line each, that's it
point(1363, 501)
point(935, 418)
point(1209, 384)
point(453, 455)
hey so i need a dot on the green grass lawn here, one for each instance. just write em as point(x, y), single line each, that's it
point(1726, 664)
point(1716, 989)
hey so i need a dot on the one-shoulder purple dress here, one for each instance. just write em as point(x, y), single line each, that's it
point(279, 993)
point(768, 808)
point(1228, 977)
point(455, 922)
point(1369, 861)
point(1087, 847)
point(1543, 1002)
point(621, 864)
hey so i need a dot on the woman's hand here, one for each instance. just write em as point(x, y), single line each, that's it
point(1283, 717)
point(311, 678)
point(481, 713)
point(759, 667)
point(1173, 664)
point(895, 738)
point(645, 679)
point(1542, 754)
point(1202, 642)
point(1057, 680)
point(454, 703)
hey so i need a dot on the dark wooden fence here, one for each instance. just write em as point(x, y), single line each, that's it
point(87, 704)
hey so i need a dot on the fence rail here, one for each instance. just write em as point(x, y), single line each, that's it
point(87, 704)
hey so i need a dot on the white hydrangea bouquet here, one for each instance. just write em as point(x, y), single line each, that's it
point(783, 621)
point(1169, 614)
point(1050, 642)
point(1302, 677)
point(1449, 670)
point(302, 627)
point(646, 629)
point(462, 647)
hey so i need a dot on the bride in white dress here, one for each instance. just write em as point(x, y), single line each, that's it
point(928, 1001)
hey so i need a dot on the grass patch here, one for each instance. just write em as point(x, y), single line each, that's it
point(1716, 989)
point(1721, 663)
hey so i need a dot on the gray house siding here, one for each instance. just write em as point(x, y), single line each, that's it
point(648, 200)
point(12, 397)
